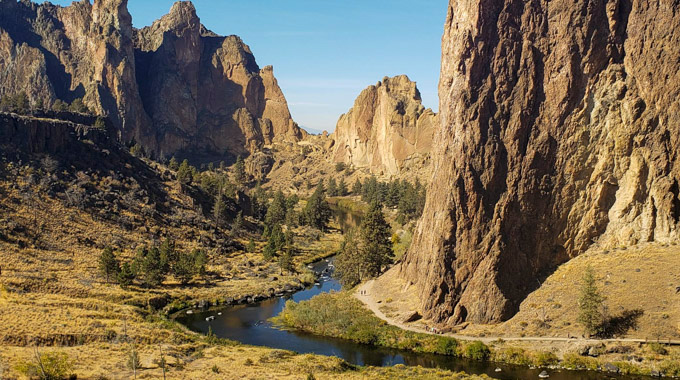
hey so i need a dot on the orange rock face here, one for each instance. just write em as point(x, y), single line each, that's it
point(559, 130)
point(387, 131)
point(173, 86)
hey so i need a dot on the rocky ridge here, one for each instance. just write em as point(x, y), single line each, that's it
point(388, 130)
point(559, 130)
point(173, 86)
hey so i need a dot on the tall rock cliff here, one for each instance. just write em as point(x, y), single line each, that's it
point(173, 86)
point(388, 129)
point(560, 129)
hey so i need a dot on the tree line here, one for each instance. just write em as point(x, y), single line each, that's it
point(20, 103)
point(151, 266)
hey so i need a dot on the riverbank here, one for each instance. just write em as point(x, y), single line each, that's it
point(342, 316)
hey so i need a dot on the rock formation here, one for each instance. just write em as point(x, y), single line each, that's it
point(559, 129)
point(387, 130)
point(173, 86)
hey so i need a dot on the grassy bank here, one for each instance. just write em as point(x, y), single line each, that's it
point(340, 315)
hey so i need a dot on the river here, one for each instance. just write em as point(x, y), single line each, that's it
point(249, 324)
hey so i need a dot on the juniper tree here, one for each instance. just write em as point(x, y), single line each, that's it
point(108, 264)
point(240, 171)
point(173, 165)
point(125, 276)
point(342, 187)
point(332, 187)
point(590, 304)
point(185, 173)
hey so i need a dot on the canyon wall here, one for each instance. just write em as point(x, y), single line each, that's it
point(174, 86)
point(559, 130)
point(388, 130)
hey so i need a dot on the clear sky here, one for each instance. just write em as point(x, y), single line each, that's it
point(324, 52)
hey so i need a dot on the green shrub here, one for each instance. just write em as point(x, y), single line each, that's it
point(670, 367)
point(576, 361)
point(512, 355)
point(48, 366)
point(477, 351)
point(657, 348)
point(447, 346)
point(545, 359)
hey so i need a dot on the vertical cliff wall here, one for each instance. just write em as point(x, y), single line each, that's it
point(387, 130)
point(559, 129)
point(173, 86)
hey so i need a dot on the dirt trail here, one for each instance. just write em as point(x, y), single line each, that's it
point(364, 294)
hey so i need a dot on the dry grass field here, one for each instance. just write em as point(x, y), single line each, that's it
point(53, 299)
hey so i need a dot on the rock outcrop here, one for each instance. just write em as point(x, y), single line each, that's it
point(559, 130)
point(173, 86)
point(387, 130)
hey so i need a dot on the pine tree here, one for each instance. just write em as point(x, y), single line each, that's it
point(332, 187)
point(376, 240)
point(125, 276)
point(349, 263)
point(173, 165)
point(342, 188)
point(21, 103)
point(317, 212)
point(276, 212)
point(356, 188)
point(251, 246)
point(286, 261)
point(183, 268)
point(108, 264)
point(590, 304)
point(240, 171)
point(238, 224)
point(185, 173)
point(59, 106)
point(219, 210)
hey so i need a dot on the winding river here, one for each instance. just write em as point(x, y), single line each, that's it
point(249, 324)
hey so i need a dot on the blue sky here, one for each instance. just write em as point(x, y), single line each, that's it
point(324, 52)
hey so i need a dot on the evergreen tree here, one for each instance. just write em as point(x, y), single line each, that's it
point(108, 264)
point(251, 246)
point(356, 188)
point(125, 276)
point(240, 171)
point(185, 173)
point(59, 106)
point(168, 255)
point(238, 224)
point(147, 266)
point(590, 304)
point(286, 261)
point(332, 187)
point(259, 202)
point(184, 267)
point(276, 213)
point(375, 239)
point(79, 107)
point(342, 188)
point(200, 262)
point(349, 263)
point(317, 212)
point(219, 210)
point(21, 103)
point(173, 165)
